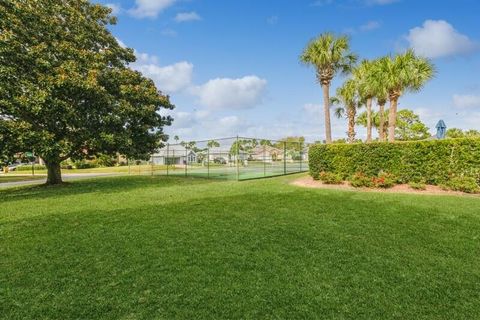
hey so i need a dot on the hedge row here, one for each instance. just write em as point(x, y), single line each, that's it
point(432, 161)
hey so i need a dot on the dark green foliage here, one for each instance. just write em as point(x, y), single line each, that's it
point(434, 161)
point(463, 184)
point(330, 178)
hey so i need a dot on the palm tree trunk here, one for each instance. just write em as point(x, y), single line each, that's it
point(381, 126)
point(369, 120)
point(326, 107)
point(392, 119)
point(351, 124)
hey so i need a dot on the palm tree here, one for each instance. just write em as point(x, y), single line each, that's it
point(404, 72)
point(176, 138)
point(364, 75)
point(380, 92)
point(348, 96)
point(329, 55)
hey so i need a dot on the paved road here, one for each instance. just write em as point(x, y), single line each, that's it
point(65, 177)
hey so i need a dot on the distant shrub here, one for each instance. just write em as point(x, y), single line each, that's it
point(463, 184)
point(433, 161)
point(330, 178)
point(28, 167)
point(83, 164)
point(359, 180)
point(418, 185)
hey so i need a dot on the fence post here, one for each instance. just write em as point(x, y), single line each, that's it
point(151, 159)
point(208, 162)
point(166, 158)
point(264, 162)
point(238, 152)
point(186, 160)
point(284, 157)
point(301, 155)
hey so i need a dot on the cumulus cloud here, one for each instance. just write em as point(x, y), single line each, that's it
point(187, 16)
point(380, 2)
point(150, 8)
point(170, 78)
point(438, 38)
point(223, 93)
point(464, 101)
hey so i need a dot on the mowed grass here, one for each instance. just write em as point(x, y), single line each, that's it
point(16, 178)
point(159, 247)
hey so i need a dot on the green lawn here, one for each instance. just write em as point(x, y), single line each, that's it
point(15, 178)
point(144, 247)
point(143, 168)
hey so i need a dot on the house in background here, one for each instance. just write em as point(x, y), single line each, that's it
point(268, 154)
point(217, 153)
point(173, 155)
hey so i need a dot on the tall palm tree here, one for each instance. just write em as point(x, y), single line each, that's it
point(380, 92)
point(328, 54)
point(347, 95)
point(404, 72)
point(364, 75)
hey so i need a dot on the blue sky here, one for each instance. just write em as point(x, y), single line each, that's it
point(231, 67)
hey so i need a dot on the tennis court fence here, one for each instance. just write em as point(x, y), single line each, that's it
point(236, 158)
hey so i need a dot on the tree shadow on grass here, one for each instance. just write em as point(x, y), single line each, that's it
point(96, 185)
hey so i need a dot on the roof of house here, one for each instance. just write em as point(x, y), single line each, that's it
point(172, 151)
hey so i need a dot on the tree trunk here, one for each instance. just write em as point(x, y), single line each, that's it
point(54, 175)
point(369, 120)
point(392, 119)
point(326, 106)
point(381, 126)
point(351, 112)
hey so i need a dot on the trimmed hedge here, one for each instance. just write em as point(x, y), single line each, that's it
point(431, 161)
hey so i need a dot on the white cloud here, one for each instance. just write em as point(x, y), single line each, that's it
point(466, 101)
point(369, 26)
point(169, 32)
point(380, 2)
point(438, 38)
point(187, 16)
point(150, 8)
point(116, 8)
point(170, 78)
point(222, 93)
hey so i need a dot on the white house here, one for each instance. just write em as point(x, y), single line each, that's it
point(175, 154)
point(224, 154)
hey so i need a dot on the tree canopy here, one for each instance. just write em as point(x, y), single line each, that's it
point(66, 90)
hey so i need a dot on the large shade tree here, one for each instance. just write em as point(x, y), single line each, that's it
point(403, 72)
point(65, 87)
point(328, 54)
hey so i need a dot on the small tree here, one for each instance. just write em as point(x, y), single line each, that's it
point(65, 87)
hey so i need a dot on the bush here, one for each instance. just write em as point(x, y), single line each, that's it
point(384, 180)
point(82, 164)
point(433, 161)
point(359, 180)
point(28, 167)
point(418, 185)
point(330, 178)
point(463, 184)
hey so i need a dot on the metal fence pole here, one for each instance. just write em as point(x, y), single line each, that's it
point(186, 161)
point(264, 162)
point(284, 157)
point(301, 155)
point(151, 159)
point(208, 162)
point(166, 158)
point(238, 168)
